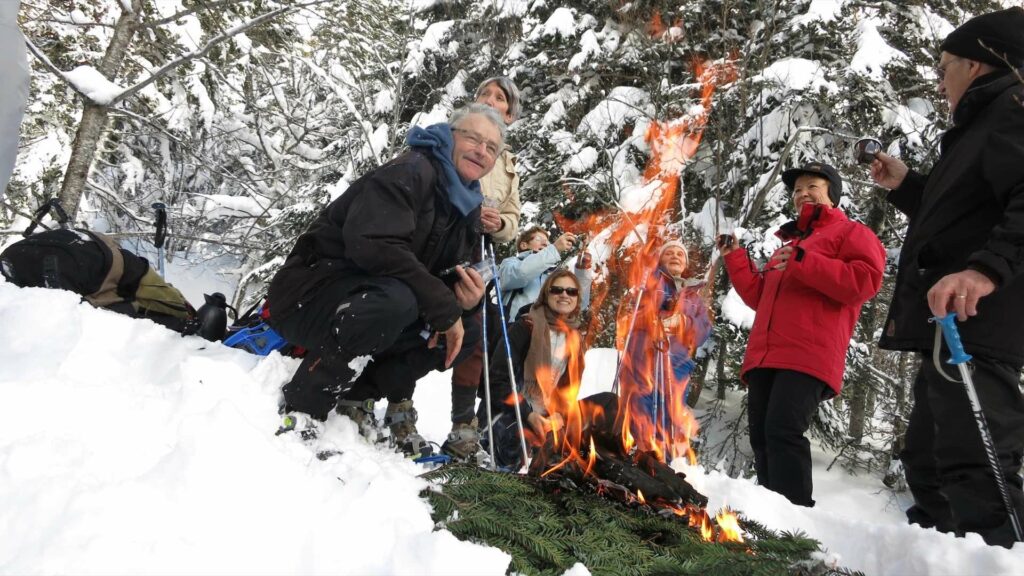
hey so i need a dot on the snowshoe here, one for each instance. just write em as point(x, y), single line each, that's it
point(463, 444)
point(400, 418)
point(307, 427)
point(360, 412)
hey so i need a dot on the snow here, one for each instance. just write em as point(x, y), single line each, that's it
point(93, 84)
point(125, 448)
point(561, 23)
point(821, 11)
point(589, 47)
point(736, 312)
point(873, 52)
point(797, 74)
point(623, 105)
point(223, 205)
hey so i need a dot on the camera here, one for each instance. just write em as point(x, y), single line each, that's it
point(725, 241)
point(865, 150)
point(483, 268)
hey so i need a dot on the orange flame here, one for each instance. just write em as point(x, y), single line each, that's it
point(634, 240)
point(668, 428)
point(640, 496)
point(730, 527)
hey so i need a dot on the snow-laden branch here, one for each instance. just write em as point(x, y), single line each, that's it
point(96, 88)
point(187, 12)
point(168, 67)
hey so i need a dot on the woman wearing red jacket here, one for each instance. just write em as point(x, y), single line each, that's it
point(807, 300)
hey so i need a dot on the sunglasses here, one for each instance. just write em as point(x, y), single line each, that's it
point(556, 290)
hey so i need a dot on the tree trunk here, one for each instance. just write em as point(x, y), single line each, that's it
point(94, 116)
point(723, 353)
point(856, 397)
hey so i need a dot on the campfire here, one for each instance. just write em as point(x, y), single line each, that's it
point(618, 447)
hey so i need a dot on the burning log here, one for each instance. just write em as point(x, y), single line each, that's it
point(642, 475)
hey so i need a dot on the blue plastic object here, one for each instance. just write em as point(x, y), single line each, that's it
point(439, 459)
point(260, 339)
point(952, 337)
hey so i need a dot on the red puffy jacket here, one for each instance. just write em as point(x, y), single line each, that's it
point(806, 313)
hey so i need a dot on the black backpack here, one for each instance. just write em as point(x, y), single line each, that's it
point(96, 267)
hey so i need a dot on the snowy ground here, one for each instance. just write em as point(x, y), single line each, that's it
point(125, 448)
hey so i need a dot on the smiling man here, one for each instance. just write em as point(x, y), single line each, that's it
point(807, 300)
point(376, 274)
point(964, 253)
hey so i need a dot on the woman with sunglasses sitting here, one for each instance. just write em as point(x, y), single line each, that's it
point(545, 343)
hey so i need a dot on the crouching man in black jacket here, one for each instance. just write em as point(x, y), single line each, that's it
point(376, 275)
point(964, 253)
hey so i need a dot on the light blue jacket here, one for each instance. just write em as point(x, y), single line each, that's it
point(522, 276)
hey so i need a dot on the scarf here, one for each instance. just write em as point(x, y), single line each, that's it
point(438, 140)
point(543, 320)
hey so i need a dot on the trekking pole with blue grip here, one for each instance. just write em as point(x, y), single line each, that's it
point(511, 369)
point(487, 366)
point(959, 357)
point(161, 234)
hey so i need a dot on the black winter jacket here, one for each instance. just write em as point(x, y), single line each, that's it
point(967, 213)
point(396, 221)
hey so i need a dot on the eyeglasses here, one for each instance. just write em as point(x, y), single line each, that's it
point(940, 70)
point(476, 140)
point(556, 290)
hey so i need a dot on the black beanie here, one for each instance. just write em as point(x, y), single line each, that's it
point(993, 38)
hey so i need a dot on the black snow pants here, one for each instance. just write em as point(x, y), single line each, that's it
point(780, 407)
point(946, 467)
point(360, 316)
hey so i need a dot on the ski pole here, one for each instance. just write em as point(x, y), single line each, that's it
point(629, 333)
point(161, 235)
point(487, 368)
point(957, 356)
point(511, 369)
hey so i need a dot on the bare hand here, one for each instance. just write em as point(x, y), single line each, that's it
point(959, 293)
point(888, 172)
point(780, 259)
point(453, 341)
point(490, 220)
point(726, 248)
point(470, 287)
point(565, 242)
point(542, 425)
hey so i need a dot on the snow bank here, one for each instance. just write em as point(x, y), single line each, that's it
point(125, 448)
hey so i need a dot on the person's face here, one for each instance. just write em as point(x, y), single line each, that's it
point(537, 243)
point(810, 188)
point(495, 97)
point(673, 260)
point(955, 76)
point(565, 303)
point(476, 146)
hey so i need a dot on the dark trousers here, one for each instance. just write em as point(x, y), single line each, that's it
point(946, 466)
point(358, 316)
point(780, 406)
point(466, 380)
